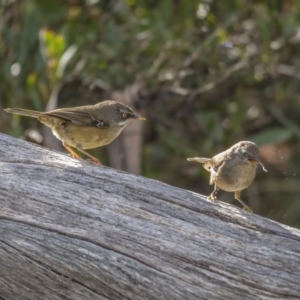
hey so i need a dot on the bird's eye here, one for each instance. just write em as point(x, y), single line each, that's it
point(124, 115)
point(245, 153)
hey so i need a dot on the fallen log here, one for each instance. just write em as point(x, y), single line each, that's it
point(72, 230)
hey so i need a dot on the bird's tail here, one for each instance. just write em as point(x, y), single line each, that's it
point(23, 112)
point(202, 160)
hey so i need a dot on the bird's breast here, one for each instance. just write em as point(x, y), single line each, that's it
point(87, 136)
point(234, 177)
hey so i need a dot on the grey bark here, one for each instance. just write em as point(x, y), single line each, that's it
point(71, 230)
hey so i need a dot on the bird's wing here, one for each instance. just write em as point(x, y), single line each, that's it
point(79, 117)
point(218, 160)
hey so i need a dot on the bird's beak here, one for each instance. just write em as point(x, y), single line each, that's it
point(139, 118)
point(254, 161)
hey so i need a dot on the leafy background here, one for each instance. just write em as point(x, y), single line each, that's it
point(206, 74)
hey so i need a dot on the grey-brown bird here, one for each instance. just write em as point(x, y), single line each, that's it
point(85, 127)
point(232, 170)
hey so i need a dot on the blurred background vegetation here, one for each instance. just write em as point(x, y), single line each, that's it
point(205, 73)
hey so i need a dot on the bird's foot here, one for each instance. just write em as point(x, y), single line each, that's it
point(76, 157)
point(212, 197)
point(247, 208)
point(94, 161)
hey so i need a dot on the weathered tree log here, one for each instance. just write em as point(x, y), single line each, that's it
point(72, 230)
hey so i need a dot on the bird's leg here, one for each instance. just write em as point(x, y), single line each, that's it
point(213, 195)
point(94, 159)
point(73, 153)
point(237, 196)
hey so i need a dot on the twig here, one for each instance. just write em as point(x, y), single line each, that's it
point(280, 117)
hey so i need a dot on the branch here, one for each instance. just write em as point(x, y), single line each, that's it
point(71, 230)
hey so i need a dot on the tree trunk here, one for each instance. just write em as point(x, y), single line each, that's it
point(72, 230)
point(125, 152)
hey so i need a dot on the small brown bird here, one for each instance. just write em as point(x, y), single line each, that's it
point(232, 170)
point(85, 127)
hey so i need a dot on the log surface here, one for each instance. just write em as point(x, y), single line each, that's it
point(72, 230)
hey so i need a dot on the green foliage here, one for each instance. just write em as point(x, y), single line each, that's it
point(271, 136)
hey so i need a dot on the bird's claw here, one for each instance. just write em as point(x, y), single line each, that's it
point(92, 161)
point(248, 209)
point(212, 197)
